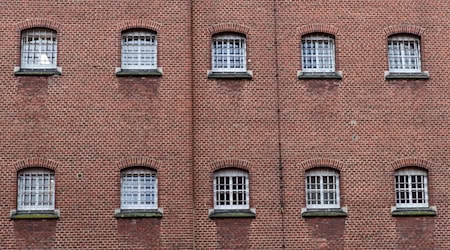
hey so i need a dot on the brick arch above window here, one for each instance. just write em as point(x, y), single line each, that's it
point(36, 162)
point(229, 27)
point(140, 24)
point(411, 162)
point(317, 28)
point(231, 163)
point(39, 23)
point(322, 163)
point(404, 29)
point(138, 162)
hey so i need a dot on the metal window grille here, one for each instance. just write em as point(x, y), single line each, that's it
point(139, 50)
point(404, 54)
point(36, 190)
point(39, 49)
point(231, 189)
point(411, 188)
point(322, 188)
point(229, 53)
point(139, 189)
point(318, 53)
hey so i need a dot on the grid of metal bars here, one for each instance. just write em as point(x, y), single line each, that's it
point(411, 188)
point(229, 53)
point(39, 49)
point(139, 189)
point(318, 53)
point(322, 188)
point(231, 189)
point(36, 190)
point(139, 50)
point(404, 54)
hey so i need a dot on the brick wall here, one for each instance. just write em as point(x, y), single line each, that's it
point(88, 124)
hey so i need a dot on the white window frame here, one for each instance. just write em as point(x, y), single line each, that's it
point(39, 49)
point(230, 174)
point(409, 174)
point(320, 174)
point(228, 53)
point(136, 45)
point(318, 58)
point(31, 183)
point(138, 188)
point(402, 54)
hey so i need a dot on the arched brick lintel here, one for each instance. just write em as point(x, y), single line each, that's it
point(411, 162)
point(36, 162)
point(231, 163)
point(39, 23)
point(140, 23)
point(138, 161)
point(229, 27)
point(404, 28)
point(320, 162)
point(317, 28)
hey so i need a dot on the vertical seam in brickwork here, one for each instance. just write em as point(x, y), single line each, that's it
point(191, 56)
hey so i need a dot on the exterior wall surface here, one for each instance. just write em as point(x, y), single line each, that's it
point(88, 124)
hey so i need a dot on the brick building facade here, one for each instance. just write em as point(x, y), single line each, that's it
point(247, 124)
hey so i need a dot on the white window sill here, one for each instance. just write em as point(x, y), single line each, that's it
point(37, 72)
point(139, 72)
point(34, 214)
point(230, 75)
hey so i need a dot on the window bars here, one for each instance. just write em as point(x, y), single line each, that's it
point(139, 50)
point(322, 188)
point(404, 54)
point(36, 190)
point(318, 53)
point(139, 189)
point(39, 49)
point(411, 188)
point(229, 53)
point(231, 189)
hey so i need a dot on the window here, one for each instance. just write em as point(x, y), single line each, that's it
point(139, 189)
point(139, 50)
point(39, 49)
point(229, 53)
point(318, 53)
point(322, 188)
point(404, 54)
point(231, 189)
point(36, 189)
point(411, 188)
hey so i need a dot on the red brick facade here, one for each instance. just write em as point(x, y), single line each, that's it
point(88, 124)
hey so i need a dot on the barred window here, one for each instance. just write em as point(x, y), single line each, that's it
point(322, 188)
point(411, 188)
point(36, 189)
point(139, 189)
point(229, 53)
point(404, 54)
point(39, 49)
point(318, 53)
point(139, 50)
point(231, 189)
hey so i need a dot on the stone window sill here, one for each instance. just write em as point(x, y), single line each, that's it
point(427, 211)
point(232, 213)
point(332, 212)
point(319, 75)
point(37, 72)
point(406, 76)
point(138, 213)
point(130, 72)
point(230, 75)
point(34, 215)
